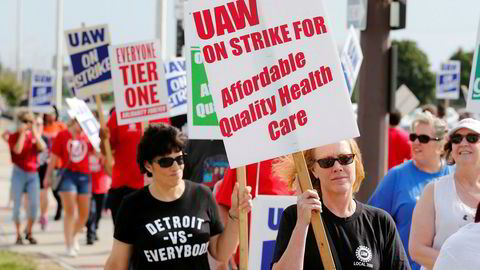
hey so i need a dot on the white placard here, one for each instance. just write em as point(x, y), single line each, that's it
point(351, 59)
point(88, 49)
point(448, 80)
point(42, 91)
point(357, 14)
point(274, 75)
point(266, 216)
point(473, 101)
point(139, 82)
point(86, 119)
point(405, 100)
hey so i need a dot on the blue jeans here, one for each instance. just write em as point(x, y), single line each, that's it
point(28, 182)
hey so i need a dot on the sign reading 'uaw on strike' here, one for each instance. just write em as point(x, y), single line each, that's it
point(42, 90)
point(88, 49)
point(274, 75)
point(139, 82)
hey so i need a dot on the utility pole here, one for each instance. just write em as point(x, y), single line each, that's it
point(59, 58)
point(18, 52)
point(166, 27)
point(373, 96)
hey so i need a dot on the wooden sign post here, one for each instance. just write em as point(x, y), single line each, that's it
point(108, 150)
point(316, 221)
point(243, 219)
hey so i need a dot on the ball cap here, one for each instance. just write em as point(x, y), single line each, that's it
point(469, 123)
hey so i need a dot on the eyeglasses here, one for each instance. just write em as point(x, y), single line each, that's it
point(166, 162)
point(422, 138)
point(330, 161)
point(27, 121)
point(457, 138)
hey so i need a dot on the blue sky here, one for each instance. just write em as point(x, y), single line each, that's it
point(440, 27)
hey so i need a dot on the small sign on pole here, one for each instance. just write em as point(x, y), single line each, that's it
point(176, 77)
point(405, 100)
point(448, 80)
point(88, 49)
point(139, 82)
point(351, 59)
point(42, 90)
point(473, 100)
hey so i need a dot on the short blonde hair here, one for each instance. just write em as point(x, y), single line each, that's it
point(428, 118)
point(284, 167)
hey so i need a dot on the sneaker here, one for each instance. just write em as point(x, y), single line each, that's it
point(19, 240)
point(43, 223)
point(30, 239)
point(95, 237)
point(76, 245)
point(90, 240)
point(71, 253)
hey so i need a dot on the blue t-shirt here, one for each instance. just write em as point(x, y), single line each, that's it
point(398, 193)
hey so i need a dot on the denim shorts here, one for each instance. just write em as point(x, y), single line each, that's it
point(78, 182)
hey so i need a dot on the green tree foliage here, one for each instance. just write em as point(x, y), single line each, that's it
point(413, 71)
point(466, 59)
point(10, 89)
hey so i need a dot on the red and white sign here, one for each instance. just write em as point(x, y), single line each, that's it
point(139, 82)
point(274, 74)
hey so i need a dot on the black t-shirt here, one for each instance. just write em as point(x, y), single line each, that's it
point(169, 235)
point(366, 240)
point(206, 161)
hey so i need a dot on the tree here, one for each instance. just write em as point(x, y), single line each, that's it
point(10, 88)
point(413, 71)
point(466, 60)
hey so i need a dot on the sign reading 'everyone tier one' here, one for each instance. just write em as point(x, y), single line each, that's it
point(274, 74)
point(139, 81)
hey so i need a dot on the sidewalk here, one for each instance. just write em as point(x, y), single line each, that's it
point(51, 241)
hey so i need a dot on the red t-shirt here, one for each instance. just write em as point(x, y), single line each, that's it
point(73, 153)
point(399, 147)
point(269, 184)
point(100, 180)
point(27, 159)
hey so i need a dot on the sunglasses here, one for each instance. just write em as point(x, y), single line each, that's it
point(422, 138)
point(457, 138)
point(166, 162)
point(330, 161)
point(27, 121)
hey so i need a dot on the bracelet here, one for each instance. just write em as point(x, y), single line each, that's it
point(232, 217)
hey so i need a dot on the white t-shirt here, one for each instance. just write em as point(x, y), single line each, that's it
point(461, 250)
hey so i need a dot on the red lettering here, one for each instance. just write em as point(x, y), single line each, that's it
point(284, 30)
point(274, 135)
point(152, 71)
point(141, 72)
point(130, 97)
point(142, 92)
point(287, 125)
point(153, 93)
point(117, 51)
point(300, 60)
point(223, 21)
point(241, 12)
point(204, 31)
point(320, 26)
point(124, 74)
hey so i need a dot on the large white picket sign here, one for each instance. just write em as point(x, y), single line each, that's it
point(266, 215)
point(274, 75)
point(139, 82)
point(473, 101)
point(88, 49)
point(86, 119)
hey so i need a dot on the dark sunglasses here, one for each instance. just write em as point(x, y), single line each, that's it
point(27, 121)
point(168, 161)
point(330, 161)
point(422, 138)
point(457, 138)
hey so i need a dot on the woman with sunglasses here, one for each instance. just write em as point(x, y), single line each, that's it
point(360, 236)
point(400, 189)
point(171, 223)
point(25, 144)
point(448, 204)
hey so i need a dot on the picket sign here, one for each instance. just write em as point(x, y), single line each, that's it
point(316, 221)
point(473, 98)
point(242, 219)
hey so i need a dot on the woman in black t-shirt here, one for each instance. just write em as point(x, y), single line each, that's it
point(172, 223)
point(360, 236)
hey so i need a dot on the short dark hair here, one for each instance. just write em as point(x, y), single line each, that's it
point(395, 118)
point(159, 140)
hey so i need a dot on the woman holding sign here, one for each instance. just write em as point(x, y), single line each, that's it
point(171, 223)
point(72, 147)
point(366, 236)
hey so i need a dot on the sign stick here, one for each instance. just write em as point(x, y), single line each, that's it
point(108, 149)
point(317, 222)
point(243, 219)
